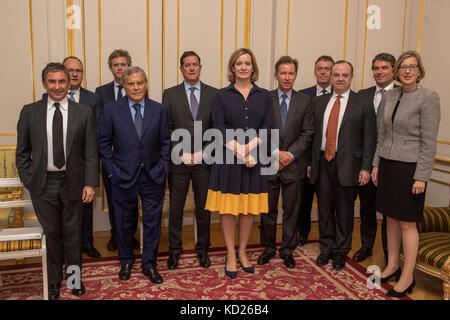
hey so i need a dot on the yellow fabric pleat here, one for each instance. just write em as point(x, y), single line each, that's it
point(227, 203)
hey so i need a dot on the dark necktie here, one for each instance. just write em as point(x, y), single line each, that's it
point(58, 138)
point(194, 103)
point(283, 111)
point(324, 91)
point(138, 118)
point(119, 92)
point(71, 95)
point(331, 133)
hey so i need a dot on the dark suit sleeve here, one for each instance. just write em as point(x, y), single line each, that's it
point(91, 177)
point(165, 140)
point(166, 101)
point(299, 147)
point(105, 140)
point(24, 160)
point(370, 137)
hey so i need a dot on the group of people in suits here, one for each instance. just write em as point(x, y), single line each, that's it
point(378, 143)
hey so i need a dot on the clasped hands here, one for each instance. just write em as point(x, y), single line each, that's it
point(191, 159)
point(242, 151)
point(284, 158)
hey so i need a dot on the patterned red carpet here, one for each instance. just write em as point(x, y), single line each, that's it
point(272, 281)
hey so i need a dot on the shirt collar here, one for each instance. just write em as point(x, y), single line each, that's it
point(131, 103)
point(77, 92)
point(343, 95)
point(254, 88)
point(116, 84)
point(64, 103)
point(387, 88)
point(188, 86)
point(319, 88)
point(288, 94)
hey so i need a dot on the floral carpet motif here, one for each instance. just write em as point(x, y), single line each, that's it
point(272, 281)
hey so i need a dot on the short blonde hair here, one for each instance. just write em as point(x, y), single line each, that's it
point(234, 56)
point(406, 55)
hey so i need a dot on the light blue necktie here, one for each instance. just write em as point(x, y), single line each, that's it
point(283, 111)
point(71, 95)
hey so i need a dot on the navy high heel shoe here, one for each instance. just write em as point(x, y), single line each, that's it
point(231, 274)
point(397, 275)
point(250, 269)
point(395, 294)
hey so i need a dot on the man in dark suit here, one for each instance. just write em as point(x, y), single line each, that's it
point(343, 148)
point(322, 72)
point(188, 102)
point(136, 128)
point(293, 117)
point(80, 95)
point(382, 68)
point(118, 61)
point(57, 161)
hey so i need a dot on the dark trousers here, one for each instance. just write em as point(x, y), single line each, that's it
point(124, 201)
point(368, 214)
point(179, 179)
point(291, 195)
point(109, 200)
point(87, 239)
point(304, 213)
point(336, 210)
point(61, 221)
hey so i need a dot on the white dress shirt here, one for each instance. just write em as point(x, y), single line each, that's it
point(326, 116)
point(64, 106)
point(116, 90)
point(76, 95)
point(377, 97)
point(319, 90)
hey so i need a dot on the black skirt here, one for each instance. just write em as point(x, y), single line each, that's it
point(394, 192)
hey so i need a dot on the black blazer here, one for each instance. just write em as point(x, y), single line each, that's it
point(82, 165)
point(298, 133)
point(106, 94)
point(179, 113)
point(311, 91)
point(356, 142)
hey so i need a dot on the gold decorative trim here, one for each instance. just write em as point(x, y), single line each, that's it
point(163, 13)
point(404, 25)
point(443, 142)
point(419, 38)
point(83, 43)
point(8, 134)
point(441, 170)
point(287, 26)
point(440, 182)
point(236, 24)
point(70, 34)
point(221, 44)
point(100, 69)
point(345, 30)
point(8, 147)
point(365, 46)
point(248, 7)
point(178, 40)
point(442, 160)
point(30, 10)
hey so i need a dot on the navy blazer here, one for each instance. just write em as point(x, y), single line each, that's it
point(151, 151)
point(312, 91)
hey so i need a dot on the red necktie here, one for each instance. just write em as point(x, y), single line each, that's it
point(331, 134)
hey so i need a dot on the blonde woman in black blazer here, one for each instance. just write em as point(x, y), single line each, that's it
point(403, 163)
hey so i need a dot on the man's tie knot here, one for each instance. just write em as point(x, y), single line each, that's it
point(71, 95)
point(324, 91)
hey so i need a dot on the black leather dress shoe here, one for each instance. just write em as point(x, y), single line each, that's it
point(289, 261)
point(302, 241)
point(53, 291)
point(91, 252)
point(79, 292)
point(338, 261)
point(323, 259)
point(362, 254)
point(265, 257)
point(154, 276)
point(112, 243)
point(125, 271)
point(172, 262)
point(205, 262)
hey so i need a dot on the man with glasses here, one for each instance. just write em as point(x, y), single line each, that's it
point(322, 72)
point(342, 152)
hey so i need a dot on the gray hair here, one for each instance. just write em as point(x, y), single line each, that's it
point(131, 70)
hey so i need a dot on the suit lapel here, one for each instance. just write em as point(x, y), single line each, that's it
point(203, 97)
point(184, 102)
point(321, 113)
point(147, 117)
point(42, 123)
point(72, 121)
point(291, 111)
point(276, 110)
point(348, 111)
point(125, 114)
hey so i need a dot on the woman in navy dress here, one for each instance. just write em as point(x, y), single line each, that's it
point(239, 189)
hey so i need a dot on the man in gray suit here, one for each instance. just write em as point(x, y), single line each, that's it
point(57, 161)
point(382, 68)
point(293, 117)
point(342, 152)
point(188, 102)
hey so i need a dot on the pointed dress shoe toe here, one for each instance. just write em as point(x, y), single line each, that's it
point(154, 276)
point(395, 294)
point(204, 260)
point(323, 259)
point(395, 274)
point(230, 274)
point(289, 261)
point(80, 291)
point(91, 252)
point(362, 254)
point(338, 262)
point(53, 291)
point(172, 262)
point(125, 271)
point(264, 258)
point(250, 269)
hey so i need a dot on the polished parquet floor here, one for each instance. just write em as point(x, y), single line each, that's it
point(427, 288)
